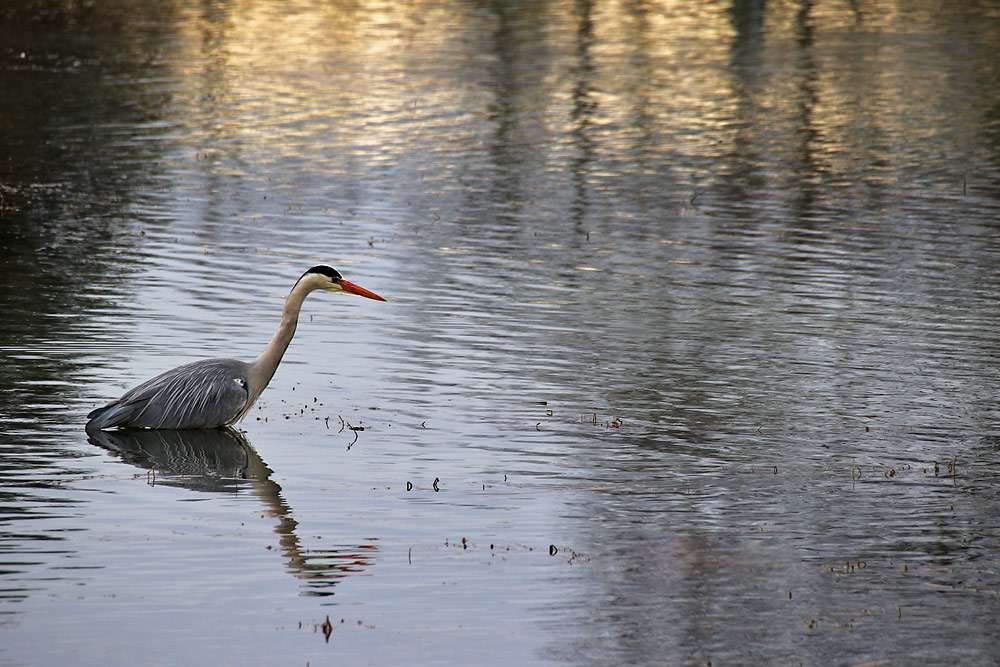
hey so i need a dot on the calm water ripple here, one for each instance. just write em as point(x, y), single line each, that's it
point(690, 354)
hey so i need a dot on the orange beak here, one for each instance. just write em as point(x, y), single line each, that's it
point(360, 291)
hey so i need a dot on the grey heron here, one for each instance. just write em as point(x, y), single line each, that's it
point(212, 393)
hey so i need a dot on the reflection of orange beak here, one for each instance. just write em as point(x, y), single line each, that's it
point(360, 291)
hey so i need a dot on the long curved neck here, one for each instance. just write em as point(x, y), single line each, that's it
point(262, 368)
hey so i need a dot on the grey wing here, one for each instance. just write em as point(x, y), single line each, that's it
point(202, 394)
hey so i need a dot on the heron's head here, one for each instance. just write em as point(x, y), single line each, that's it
point(325, 277)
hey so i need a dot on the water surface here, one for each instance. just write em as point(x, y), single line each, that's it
point(690, 354)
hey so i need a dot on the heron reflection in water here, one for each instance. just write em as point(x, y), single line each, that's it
point(217, 392)
point(223, 460)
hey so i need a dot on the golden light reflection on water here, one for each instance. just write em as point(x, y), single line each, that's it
point(697, 88)
point(280, 77)
point(777, 89)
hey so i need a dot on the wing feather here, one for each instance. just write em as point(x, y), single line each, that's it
point(202, 394)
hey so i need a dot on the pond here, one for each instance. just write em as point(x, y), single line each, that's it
point(690, 352)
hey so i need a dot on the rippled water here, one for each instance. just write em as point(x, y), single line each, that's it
point(691, 351)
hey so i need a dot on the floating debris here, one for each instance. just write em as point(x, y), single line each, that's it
point(616, 422)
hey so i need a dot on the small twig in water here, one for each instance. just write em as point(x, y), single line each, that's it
point(352, 428)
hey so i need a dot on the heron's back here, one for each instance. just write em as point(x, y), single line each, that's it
point(202, 394)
